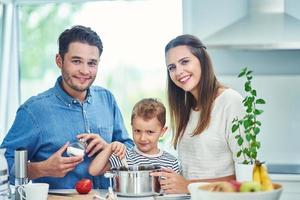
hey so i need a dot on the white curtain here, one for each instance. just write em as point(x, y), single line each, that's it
point(9, 68)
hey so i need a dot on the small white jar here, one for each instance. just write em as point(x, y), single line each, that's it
point(76, 149)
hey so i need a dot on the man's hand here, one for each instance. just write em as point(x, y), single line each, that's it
point(118, 149)
point(94, 141)
point(55, 166)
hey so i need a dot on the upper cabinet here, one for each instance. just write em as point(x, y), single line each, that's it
point(244, 24)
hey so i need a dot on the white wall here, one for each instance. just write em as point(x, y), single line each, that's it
point(277, 76)
point(280, 134)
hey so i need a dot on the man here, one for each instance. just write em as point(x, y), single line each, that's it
point(71, 110)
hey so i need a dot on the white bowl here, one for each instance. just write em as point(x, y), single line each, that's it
point(200, 194)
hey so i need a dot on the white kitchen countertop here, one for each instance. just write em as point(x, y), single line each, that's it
point(62, 194)
point(285, 177)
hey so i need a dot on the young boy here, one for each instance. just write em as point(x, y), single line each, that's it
point(148, 125)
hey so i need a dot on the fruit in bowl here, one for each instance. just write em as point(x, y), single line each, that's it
point(250, 186)
point(227, 191)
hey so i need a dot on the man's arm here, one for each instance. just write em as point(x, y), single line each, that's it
point(23, 134)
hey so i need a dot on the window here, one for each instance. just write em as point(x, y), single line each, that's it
point(1, 32)
point(134, 34)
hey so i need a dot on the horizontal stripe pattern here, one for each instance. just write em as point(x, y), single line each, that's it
point(164, 159)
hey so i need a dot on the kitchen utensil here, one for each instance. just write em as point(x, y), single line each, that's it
point(124, 162)
point(77, 148)
point(135, 181)
point(110, 195)
point(20, 171)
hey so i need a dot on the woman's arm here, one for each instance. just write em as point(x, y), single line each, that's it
point(173, 183)
point(225, 178)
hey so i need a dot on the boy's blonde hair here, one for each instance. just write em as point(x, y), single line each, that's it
point(149, 108)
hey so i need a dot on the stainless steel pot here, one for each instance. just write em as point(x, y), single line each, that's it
point(136, 181)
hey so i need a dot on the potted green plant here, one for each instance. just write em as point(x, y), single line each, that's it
point(247, 128)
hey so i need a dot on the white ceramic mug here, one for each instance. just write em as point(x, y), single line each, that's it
point(34, 191)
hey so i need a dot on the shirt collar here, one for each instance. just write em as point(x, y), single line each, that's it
point(147, 155)
point(65, 97)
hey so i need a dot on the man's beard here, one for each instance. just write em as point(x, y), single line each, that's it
point(69, 82)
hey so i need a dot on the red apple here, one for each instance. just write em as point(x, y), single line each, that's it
point(84, 186)
point(235, 184)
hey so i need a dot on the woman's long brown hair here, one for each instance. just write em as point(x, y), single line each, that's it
point(181, 102)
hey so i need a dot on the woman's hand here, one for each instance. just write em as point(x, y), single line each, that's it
point(171, 182)
point(94, 141)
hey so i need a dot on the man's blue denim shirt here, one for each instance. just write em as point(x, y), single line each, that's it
point(45, 122)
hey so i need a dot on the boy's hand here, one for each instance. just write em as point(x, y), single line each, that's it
point(118, 149)
point(95, 143)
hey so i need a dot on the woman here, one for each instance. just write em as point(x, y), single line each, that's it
point(201, 112)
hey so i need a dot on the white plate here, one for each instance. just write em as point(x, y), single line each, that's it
point(172, 197)
point(63, 191)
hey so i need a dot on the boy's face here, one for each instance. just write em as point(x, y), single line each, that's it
point(146, 134)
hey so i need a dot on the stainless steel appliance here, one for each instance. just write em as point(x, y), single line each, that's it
point(21, 177)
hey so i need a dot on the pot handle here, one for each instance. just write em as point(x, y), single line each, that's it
point(110, 174)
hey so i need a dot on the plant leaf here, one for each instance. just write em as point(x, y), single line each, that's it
point(256, 130)
point(248, 137)
point(249, 110)
point(246, 162)
point(247, 86)
point(258, 144)
point(258, 123)
point(253, 92)
point(247, 123)
point(258, 112)
point(239, 153)
point(240, 141)
point(260, 101)
point(249, 72)
point(251, 99)
point(235, 127)
point(243, 72)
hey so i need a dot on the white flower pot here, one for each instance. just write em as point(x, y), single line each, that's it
point(243, 172)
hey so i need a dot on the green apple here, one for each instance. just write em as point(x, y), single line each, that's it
point(250, 186)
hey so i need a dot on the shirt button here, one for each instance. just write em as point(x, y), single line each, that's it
point(74, 101)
